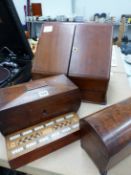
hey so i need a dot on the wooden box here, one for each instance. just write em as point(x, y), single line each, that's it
point(106, 135)
point(36, 9)
point(79, 50)
point(27, 104)
point(38, 117)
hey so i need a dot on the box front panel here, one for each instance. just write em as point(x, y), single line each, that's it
point(91, 54)
point(29, 114)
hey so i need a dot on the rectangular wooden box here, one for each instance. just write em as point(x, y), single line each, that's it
point(27, 104)
point(106, 135)
point(79, 50)
point(34, 142)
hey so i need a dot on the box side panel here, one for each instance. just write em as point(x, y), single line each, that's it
point(93, 145)
point(92, 90)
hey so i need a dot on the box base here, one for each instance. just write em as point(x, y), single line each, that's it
point(92, 89)
point(45, 150)
point(98, 97)
point(39, 140)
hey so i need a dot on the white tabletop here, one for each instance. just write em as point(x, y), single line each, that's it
point(72, 159)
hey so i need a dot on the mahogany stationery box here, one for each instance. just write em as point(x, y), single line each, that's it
point(82, 51)
point(15, 52)
point(37, 105)
point(106, 135)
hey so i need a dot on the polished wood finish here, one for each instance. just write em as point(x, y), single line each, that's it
point(106, 135)
point(82, 52)
point(91, 54)
point(92, 89)
point(54, 49)
point(27, 104)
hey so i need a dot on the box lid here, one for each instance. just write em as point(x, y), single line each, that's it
point(26, 93)
point(12, 34)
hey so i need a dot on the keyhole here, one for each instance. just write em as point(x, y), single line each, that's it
point(75, 49)
point(45, 112)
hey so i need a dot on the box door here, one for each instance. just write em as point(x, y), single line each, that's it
point(54, 48)
point(91, 54)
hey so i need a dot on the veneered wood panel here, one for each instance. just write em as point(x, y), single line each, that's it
point(91, 53)
point(54, 48)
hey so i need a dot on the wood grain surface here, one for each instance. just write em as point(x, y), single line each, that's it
point(106, 135)
point(27, 104)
